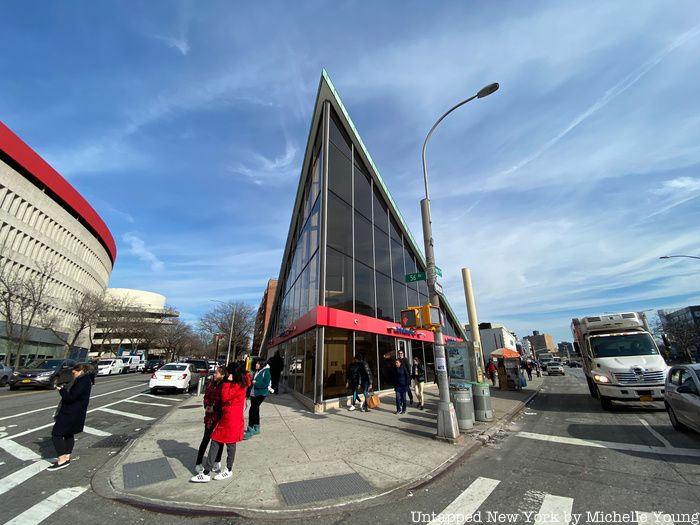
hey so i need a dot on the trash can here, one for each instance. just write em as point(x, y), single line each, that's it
point(482, 402)
point(461, 397)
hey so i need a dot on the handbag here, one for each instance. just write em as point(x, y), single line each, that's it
point(373, 401)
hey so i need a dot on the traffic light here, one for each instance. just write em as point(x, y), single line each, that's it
point(410, 318)
point(430, 317)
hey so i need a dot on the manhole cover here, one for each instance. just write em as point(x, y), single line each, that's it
point(115, 441)
point(310, 490)
point(146, 473)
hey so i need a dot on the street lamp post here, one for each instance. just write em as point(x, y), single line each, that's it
point(672, 256)
point(230, 333)
point(447, 419)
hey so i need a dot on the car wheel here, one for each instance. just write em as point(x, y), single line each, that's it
point(592, 389)
point(3, 381)
point(674, 420)
point(605, 402)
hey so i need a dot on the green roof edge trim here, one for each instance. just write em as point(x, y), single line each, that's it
point(325, 77)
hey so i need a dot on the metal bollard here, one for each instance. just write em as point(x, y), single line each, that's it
point(200, 385)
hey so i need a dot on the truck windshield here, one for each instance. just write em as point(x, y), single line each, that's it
point(623, 345)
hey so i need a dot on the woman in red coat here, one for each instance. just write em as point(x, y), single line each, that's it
point(229, 430)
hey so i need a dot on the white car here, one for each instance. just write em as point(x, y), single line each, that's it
point(132, 362)
point(108, 367)
point(555, 368)
point(181, 377)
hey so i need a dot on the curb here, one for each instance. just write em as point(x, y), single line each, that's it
point(102, 485)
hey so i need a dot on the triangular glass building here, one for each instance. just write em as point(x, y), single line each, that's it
point(342, 284)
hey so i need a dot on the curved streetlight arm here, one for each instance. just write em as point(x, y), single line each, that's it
point(427, 138)
point(686, 256)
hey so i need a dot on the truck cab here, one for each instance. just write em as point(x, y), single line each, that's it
point(620, 358)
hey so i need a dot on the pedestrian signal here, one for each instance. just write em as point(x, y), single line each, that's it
point(410, 318)
point(430, 317)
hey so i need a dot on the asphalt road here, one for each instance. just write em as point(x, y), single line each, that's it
point(563, 460)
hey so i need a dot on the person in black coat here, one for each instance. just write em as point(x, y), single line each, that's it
point(70, 415)
point(276, 366)
point(402, 382)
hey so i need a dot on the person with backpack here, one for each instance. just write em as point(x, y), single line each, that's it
point(354, 381)
point(418, 379)
point(259, 389)
point(365, 380)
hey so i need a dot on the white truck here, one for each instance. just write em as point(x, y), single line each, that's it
point(620, 358)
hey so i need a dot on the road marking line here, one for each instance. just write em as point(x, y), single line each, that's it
point(126, 414)
point(53, 407)
point(14, 479)
point(18, 451)
point(692, 452)
point(655, 433)
point(160, 397)
point(41, 511)
point(144, 403)
point(653, 518)
point(95, 431)
point(556, 509)
point(469, 501)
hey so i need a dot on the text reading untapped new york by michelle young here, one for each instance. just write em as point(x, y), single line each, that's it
point(572, 518)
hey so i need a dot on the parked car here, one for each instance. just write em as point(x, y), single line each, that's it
point(42, 373)
point(5, 373)
point(174, 376)
point(682, 397)
point(131, 362)
point(575, 364)
point(152, 365)
point(555, 369)
point(212, 366)
point(108, 367)
point(201, 365)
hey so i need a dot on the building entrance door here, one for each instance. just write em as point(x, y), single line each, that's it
point(404, 345)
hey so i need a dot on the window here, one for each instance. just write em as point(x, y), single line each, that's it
point(309, 363)
point(339, 174)
point(339, 225)
point(363, 241)
point(381, 217)
point(337, 354)
point(397, 267)
point(386, 348)
point(381, 252)
point(385, 301)
point(338, 135)
point(364, 290)
point(363, 191)
point(338, 280)
point(366, 345)
point(400, 301)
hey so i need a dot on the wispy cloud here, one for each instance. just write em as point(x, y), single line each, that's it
point(137, 247)
point(264, 169)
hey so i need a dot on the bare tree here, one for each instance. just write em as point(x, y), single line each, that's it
point(24, 300)
point(175, 338)
point(87, 308)
point(116, 320)
point(682, 334)
point(218, 320)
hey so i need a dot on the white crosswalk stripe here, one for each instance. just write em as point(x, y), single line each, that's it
point(469, 501)
point(146, 403)
point(46, 508)
point(14, 479)
point(18, 451)
point(126, 414)
point(556, 510)
point(654, 518)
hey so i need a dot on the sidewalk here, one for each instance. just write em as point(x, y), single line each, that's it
point(300, 462)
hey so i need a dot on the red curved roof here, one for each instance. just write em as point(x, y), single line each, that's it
point(26, 157)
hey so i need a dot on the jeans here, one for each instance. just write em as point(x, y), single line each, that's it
point(401, 398)
point(365, 392)
point(419, 392)
point(355, 395)
point(216, 450)
point(254, 412)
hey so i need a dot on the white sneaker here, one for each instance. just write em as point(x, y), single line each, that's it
point(198, 468)
point(201, 478)
point(351, 408)
point(224, 474)
point(216, 467)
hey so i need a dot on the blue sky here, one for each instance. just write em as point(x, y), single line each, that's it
point(184, 124)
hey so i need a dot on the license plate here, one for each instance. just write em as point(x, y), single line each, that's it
point(26, 380)
point(646, 398)
point(168, 377)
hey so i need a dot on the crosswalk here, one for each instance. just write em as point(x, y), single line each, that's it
point(22, 462)
point(470, 506)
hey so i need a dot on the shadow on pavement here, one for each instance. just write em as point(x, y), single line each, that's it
point(182, 452)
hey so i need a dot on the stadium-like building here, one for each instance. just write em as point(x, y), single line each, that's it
point(43, 218)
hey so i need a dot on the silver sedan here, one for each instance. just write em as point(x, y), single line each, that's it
point(682, 397)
